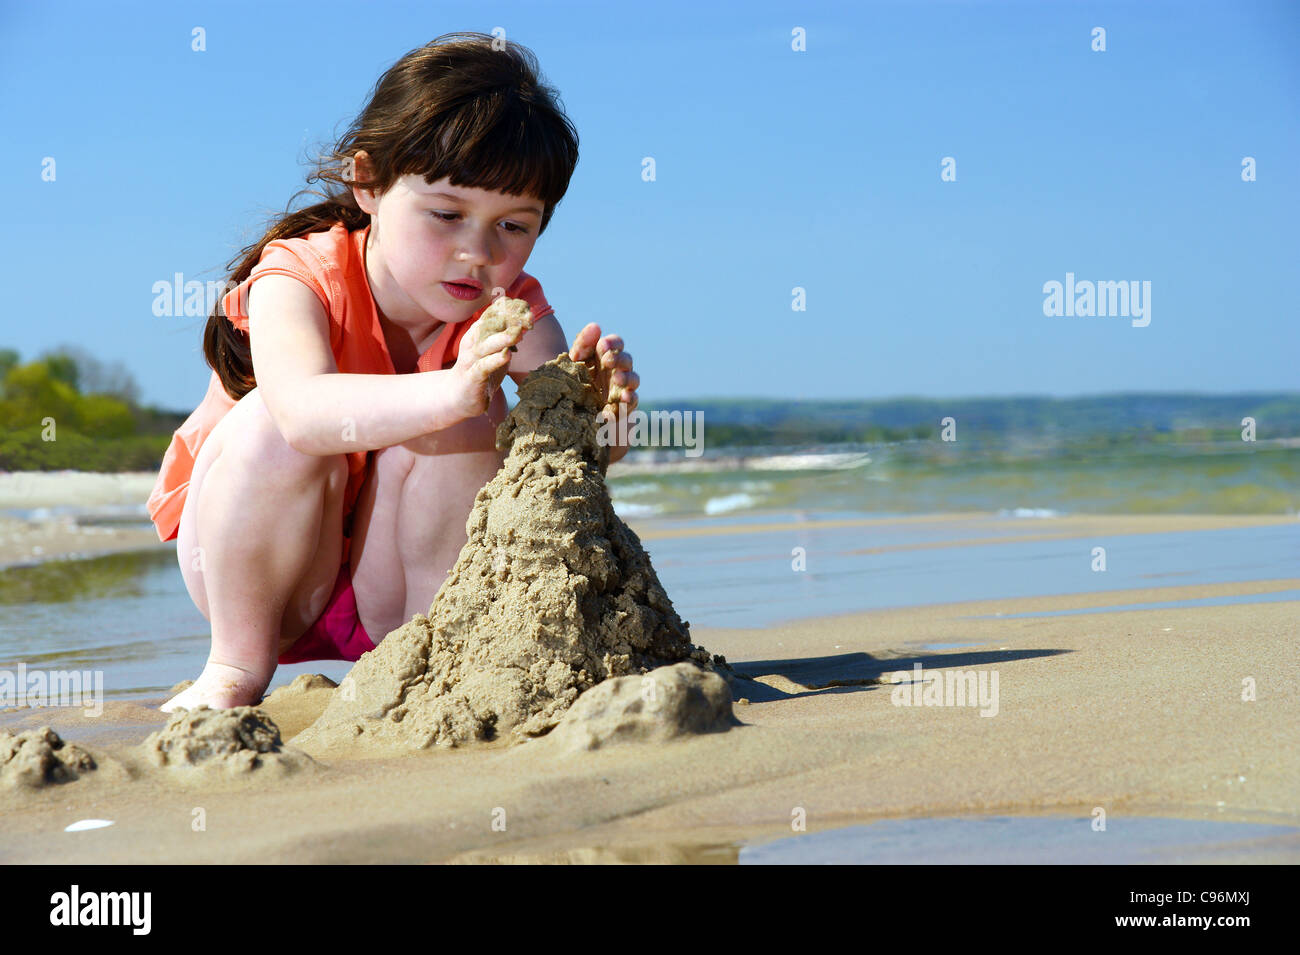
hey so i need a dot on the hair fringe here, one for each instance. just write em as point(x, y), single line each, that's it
point(467, 107)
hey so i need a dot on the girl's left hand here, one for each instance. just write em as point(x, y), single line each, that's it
point(617, 382)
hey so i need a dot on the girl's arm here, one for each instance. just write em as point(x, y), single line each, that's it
point(544, 342)
point(320, 411)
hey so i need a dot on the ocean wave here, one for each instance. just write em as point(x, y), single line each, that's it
point(630, 509)
point(838, 461)
point(729, 502)
point(82, 514)
point(633, 490)
point(1029, 512)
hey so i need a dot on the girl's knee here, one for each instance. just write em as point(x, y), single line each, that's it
point(392, 464)
point(254, 433)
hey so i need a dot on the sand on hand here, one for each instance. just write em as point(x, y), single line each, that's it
point(504, 313)
point(551, 595)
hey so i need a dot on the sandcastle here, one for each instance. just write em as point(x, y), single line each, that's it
point(551, 595)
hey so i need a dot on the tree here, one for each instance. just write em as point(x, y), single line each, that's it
point(102, 416)
point(94, 377)
point(8, 359)
point(63, 368)
point(33, 392)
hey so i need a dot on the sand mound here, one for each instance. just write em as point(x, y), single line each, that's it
point(297, 705)
point(664, 704)
point(39, 758)
point(231, 742)
point(551, 594)
point(304, 683)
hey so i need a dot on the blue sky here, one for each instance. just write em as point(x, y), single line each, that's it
point(776, 169)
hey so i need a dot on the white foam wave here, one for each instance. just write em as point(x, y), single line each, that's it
point(630, 509)
point(1029, 512)
point(839, 461)
point(633, 490)
point(728, 502)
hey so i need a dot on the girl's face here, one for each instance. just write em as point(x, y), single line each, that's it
point(423, 236)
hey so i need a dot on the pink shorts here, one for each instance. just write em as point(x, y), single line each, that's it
point(337, 634)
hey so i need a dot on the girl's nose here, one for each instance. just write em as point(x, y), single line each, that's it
point(480, 251)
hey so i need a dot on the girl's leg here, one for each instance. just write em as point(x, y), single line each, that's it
point(410, 519)
point(259, 544)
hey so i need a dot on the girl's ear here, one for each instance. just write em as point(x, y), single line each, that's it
point(359, 168)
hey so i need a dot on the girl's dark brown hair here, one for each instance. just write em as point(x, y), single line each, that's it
point(466, 106)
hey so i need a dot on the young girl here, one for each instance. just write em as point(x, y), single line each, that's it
point(318, 495)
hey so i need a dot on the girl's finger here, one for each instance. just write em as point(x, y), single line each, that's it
point(584, 343)
point(489, 364)
point(500, 341)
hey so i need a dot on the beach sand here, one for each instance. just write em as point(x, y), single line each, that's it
point(1139, 713)
point(75, 514)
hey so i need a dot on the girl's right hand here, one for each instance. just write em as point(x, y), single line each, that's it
point(480, 368)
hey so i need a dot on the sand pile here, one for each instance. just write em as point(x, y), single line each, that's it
point(666, 703)
point(231, 742)
point(551, 594)
point(296, 706)
point(39, 758)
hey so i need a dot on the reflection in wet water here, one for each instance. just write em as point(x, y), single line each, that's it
point(127, 615)
point(1033, 840)
point(61, 581)
point(710, 853)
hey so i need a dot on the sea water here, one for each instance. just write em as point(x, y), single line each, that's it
point(130, 616)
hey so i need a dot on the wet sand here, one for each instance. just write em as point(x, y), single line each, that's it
point(73, 514)
point(29, 542)
point(1139, 713)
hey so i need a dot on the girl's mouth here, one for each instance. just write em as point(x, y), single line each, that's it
point(465, 293)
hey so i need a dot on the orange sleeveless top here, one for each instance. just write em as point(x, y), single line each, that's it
point(332, 264)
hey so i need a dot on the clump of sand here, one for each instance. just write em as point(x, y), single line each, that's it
point(666, 703)
point(38, 758)
point(502, 314)
point(551, 595)
point(231, 742)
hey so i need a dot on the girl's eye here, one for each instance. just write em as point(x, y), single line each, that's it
point(450, 216)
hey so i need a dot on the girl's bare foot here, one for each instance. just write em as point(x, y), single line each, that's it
point(220, 686)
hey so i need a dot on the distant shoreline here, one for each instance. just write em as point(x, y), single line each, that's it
point(60, 515)
point(53, 515)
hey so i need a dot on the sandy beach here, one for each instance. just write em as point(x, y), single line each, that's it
point(68, 514)
point(1139, 713)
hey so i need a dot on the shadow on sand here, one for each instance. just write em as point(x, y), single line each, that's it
point(761, 681)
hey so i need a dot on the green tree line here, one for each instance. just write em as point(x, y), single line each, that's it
point(69, 410)
point(1086, 422)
